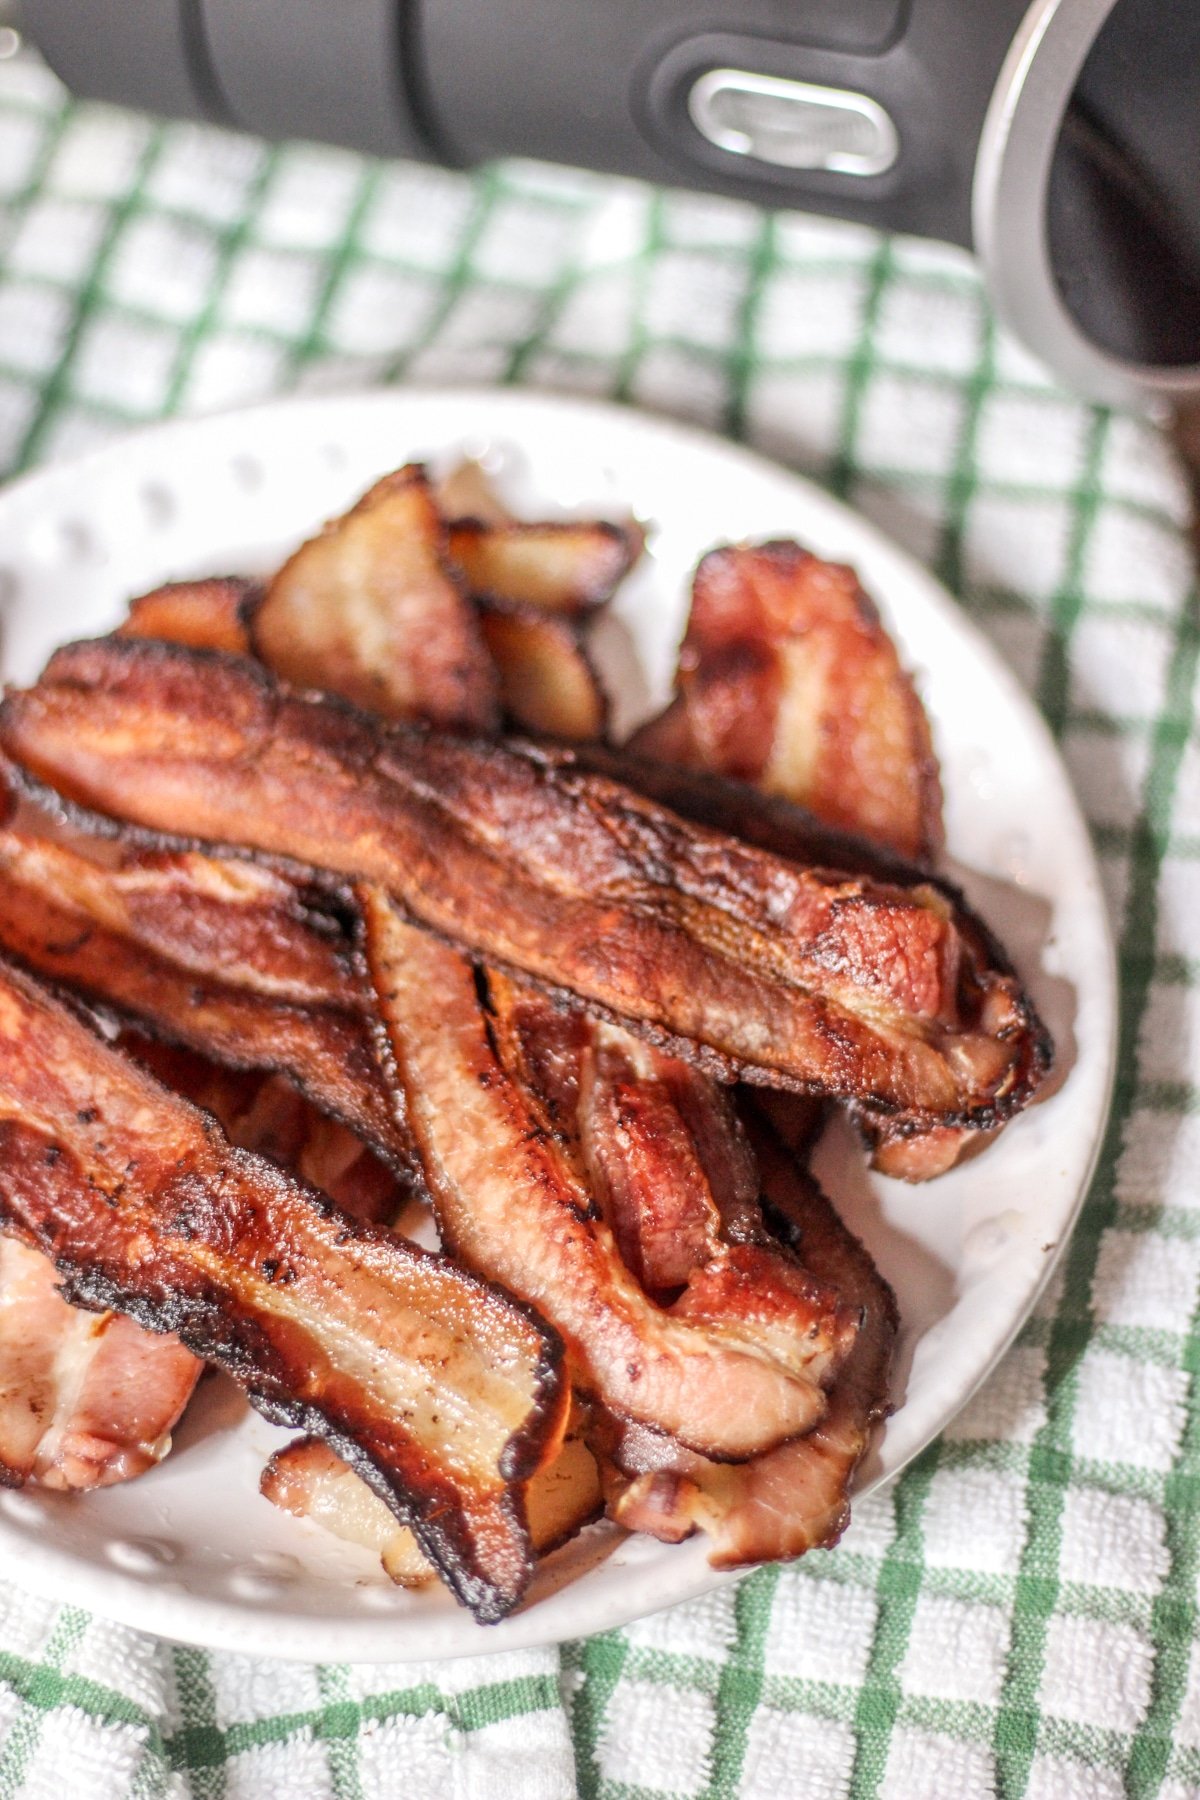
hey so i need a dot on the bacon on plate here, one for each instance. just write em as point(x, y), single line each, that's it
point(507, 1202)
point(787, 679)
point(438, 1389)
point(788, 975)
point(86, 1399)
point(372, 608)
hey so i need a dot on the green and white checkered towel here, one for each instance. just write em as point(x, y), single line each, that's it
point(1018, 1615)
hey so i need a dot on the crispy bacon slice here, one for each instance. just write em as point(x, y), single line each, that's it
point(309, 1481)
point(563, 566)
point(787, 679)
point(86, 1400)
point(659, 1146)
point(371, 609)
point(205, 615)
point(268, 1115)
point(508, 1202)
point(788, 975)
point(440, 1391)
point(209, 915)
point(212, 953)
point(547, 682)
point(795, 1498)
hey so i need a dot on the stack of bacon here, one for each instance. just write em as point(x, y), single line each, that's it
point(297, 943)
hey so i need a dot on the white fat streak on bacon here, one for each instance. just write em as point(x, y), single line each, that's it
point(86, 1399)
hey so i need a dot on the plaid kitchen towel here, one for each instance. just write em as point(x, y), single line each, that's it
point(1017, 1616)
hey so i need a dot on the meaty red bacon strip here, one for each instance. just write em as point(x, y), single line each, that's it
point(787, 975)
point(86, 1400)
point(213, 953)
point(373, 609)
point(795, 1498)
point(507, 1201)
point(439, 1390)
point(787, 679)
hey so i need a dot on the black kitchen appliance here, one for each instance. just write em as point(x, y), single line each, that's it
point(1059, 140)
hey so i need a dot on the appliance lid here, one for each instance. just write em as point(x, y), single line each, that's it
point(1087, 193)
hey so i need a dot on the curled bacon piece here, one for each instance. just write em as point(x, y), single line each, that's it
point(86, 1400)
point(787, 679)
point(444, 1394)
point(788, 975)
point(371, 609)
point(213, 614)
point(795, 1498)
point(508, 1202)
point(309, 1481)
point(214, 953)
point(563, 566)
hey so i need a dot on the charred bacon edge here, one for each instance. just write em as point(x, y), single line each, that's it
point(788, 830)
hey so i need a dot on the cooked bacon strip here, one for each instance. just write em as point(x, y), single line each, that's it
point(507, 1202)
point(687, 1176)
point(371, 610)
point(902, 1144)
point(209, 952)
point(213, 916)
point(564, 566)
point(788, 680)
point(205, 615)
point(444, 1394)
point(790, 976)
point(86, 1400)
point(547, 682)
point(268, 1115)
point(309, 1481)
point(795, 1498)
point(659, 1146)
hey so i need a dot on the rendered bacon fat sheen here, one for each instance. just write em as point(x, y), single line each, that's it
point(443, 1393)
point(788, 975)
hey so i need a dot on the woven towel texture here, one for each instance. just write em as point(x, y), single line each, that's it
point(1018, 1615)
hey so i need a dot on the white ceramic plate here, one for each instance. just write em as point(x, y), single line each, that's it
point(191, 1551)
